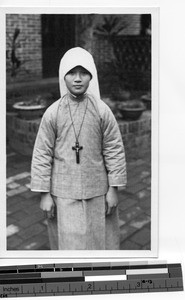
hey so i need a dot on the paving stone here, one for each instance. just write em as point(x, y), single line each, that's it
point(45, 222)
point(128, 245)
point(138, 170)
point(10, 220)
point(148, 212)
point(27, 203)
point(145, 204)
point(22, 158)
point(13, 200)
point(11, 230)
point(123, 195)
point(133, 180)
point(11, 160)
point(148, 226)
point(35, 243)
point(24, 181)
point(139, 162)
point(31, 231)
point(22, 166)
point(140, 221)
point(147, 247)
point(10, 171)
point(123, 205)
point(141, 237)
point(45, 247)
point(10, 153)
point(28, 194)
point(144, 174)
point(143, 194)
point(18, 176)
point(19, 215)
point(17, 191)
point(28, 185)
point(121, 222)
point(130, 214)
point(126, 231)
point(147, 181)
point(19, 158)
point(16, 207)
point(12, 207)
point(135, 163)
point(136, 188)
point(32, 209)
point(13, 185)
point(36, 217)
point(13, 242)
point(31, 203)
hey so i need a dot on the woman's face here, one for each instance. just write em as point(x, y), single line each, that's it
point(77, 80)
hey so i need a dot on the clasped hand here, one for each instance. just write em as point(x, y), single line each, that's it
point(47, 204)
point(111, 200)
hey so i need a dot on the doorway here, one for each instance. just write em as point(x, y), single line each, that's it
point(58, 36)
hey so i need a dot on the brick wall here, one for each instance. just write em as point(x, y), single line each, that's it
point(21, 133)
point(28, 50)
point(136, 135)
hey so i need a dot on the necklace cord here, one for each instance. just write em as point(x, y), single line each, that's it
point(77, 136)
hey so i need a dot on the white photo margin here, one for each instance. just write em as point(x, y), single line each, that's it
point(119, 254)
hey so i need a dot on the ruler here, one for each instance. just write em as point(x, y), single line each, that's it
point(89, 278)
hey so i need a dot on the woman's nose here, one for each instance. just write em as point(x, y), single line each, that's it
point(77, 76)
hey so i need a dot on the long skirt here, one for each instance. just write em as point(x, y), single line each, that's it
point(83, 225)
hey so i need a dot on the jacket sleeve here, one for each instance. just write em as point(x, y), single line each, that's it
point(113, 150)
point(42, 158)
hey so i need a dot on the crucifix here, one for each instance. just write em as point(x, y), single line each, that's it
point(77, 148)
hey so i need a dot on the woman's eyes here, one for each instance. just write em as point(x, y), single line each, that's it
point(80, 73)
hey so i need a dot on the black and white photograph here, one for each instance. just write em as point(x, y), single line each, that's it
point(81, 133)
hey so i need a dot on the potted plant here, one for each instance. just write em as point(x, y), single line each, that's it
point(131, 109)
point(32, 108)
point(113, 105)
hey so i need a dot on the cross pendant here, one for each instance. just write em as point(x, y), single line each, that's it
point(77, 148)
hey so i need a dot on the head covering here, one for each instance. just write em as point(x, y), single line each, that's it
point(78, 57)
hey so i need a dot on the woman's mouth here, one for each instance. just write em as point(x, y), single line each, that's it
point(77, 86)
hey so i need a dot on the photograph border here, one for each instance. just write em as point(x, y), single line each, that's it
point(155, 136)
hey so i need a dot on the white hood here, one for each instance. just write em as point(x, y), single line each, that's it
point(78, 57)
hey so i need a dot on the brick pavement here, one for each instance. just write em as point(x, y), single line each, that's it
point(27, 228)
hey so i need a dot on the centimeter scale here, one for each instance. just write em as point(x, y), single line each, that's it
point(89, 278)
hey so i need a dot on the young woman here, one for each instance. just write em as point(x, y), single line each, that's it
point(79, 161)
